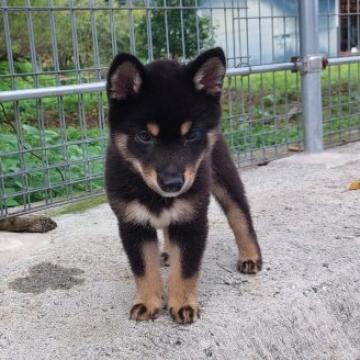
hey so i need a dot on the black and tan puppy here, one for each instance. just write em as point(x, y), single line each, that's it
point(165, 157)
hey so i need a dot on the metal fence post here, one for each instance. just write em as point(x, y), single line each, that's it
point(310, 75)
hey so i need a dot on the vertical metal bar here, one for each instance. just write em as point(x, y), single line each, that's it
point(21, 151)
point(149, 30)
point(310, 80)
point(260, 33)
point(226, 33)
point(166, 31)
point(348, 26)
point(54, 44)
point(212, 31)
point(74, 36)
point(113, 29)
point(357, 25)
point(95, 43)
point(131, 27)
point(197, 28)
point(182, 28)
point(9, 52)
point(30, 28)
point(233, 31)
point(272, 32)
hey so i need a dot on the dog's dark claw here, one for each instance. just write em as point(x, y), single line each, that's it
point(249, 266)
point(139, 312)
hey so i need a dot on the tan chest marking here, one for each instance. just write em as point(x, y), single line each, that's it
point(181, 211)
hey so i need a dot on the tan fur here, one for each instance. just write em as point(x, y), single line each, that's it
point(212, 136)
point(121, 144)
point(237, 221)
point(153, 128)
point(149, 174)
point(185, 127)
point(149, 288)
point(181, 211)
point(182, 292)
point(191, 171)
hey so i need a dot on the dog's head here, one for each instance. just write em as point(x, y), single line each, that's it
point(163, 116)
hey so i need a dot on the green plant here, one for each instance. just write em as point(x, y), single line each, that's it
point(64, 32)
point(258, 111)
point(187, 31)
point(46, 170)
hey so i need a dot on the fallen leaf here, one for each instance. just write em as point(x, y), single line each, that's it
point(355, 185)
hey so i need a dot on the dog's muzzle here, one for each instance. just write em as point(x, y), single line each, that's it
point(170, 183)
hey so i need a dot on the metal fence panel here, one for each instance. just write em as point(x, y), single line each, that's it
point(54, 55)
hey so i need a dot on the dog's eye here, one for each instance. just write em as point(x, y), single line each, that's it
point(144, 137)
point(193, 135)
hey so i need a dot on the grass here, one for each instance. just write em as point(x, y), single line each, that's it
point(78, 207)
point(259, 111)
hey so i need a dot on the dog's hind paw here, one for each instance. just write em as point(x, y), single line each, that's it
point(165, 259)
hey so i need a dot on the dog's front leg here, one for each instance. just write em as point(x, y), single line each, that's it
point(140, 244)
point(187, 244)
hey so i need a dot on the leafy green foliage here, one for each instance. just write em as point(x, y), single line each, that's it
point(258, 111)
point(64, 34)
point(47, 170)
point(187, 31)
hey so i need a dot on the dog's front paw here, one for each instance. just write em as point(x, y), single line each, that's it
point(249, 266)
point(186, 314)
point(144, 312)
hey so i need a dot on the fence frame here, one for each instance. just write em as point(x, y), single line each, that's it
point(309, 64)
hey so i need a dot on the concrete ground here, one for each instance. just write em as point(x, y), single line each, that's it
point(66, 294)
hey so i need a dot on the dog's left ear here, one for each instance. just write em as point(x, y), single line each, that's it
point(208, 70)
point(125, 77)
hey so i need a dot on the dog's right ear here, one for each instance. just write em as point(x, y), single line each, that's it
point(125, 77)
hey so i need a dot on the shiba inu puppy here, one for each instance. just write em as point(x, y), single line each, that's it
point(165, 157)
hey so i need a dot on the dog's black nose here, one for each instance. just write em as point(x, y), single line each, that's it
point(171, 183)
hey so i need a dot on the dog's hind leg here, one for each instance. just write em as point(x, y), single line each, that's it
point(165, 254)
point(229, 192)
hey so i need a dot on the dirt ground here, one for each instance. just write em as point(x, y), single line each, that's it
point(66, 294)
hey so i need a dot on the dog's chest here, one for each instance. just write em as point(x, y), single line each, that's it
point(180, 211)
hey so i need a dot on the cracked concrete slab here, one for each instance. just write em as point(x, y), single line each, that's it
point(305, 304)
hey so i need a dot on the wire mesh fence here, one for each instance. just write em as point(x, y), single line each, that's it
point(54, 55)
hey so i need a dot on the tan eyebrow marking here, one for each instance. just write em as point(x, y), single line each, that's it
point(185, 127)
point(153, 128)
